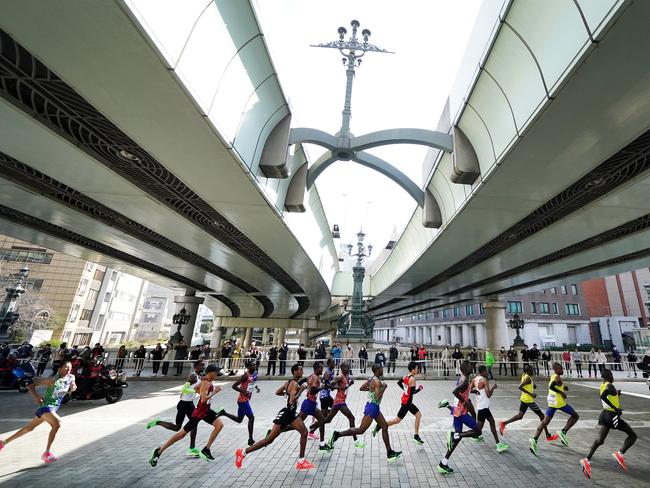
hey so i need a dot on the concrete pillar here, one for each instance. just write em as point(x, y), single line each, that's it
point(495, 325)
point(190, 302)
point(454, 335)
point(333, 337)
point(265, 336)
point(304, 336)
point(467, 335)
point(217, 332)
point(281, 333)
point(248, 337)
point(229, 332)
point(481, 339)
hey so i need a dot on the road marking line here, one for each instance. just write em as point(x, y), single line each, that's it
point(624, 392)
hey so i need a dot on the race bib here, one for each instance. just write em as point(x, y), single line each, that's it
point(551, 399)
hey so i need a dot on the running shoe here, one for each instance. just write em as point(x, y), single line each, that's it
point(334, 436)
point(442, 469)
point(586, 467)
point(251, 442)
point(153, 459)
point(417, 439)
point(359, 444)
point(239, 458)
point(48, 457)
point(533, 446)
point(450, 439)
point(2, 445)
point(376, 430)
point(478, 439)
point(502, 427)
point(394, 456)
point(563, 437)
point(502, 446)
point(193, 452)
point(206, 455)
point(325, 448)
point(443, 403)
point(304, 464)
point(313, 436)
point(153, 423)
point(620, 459)
point(552, 437)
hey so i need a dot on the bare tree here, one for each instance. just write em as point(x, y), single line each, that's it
point(35, 313)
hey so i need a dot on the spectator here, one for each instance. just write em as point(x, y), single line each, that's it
point(336, 355)
point(348, 355)
point(513, 359)
point(254, 353)
point(566, 357)
point(74, 352)
point(363, 359)
point(156, 357)
point(302, 355)
point(616, 357)
point(273, 357)
point(86, 354)
point(489, 362)
point(321, 352)
point(59, 356)
point(525, 356)
point(422, 359)
point(139, 356)
point(602, 361)
point(167, 355)
point(235, 358)
point(534, 358)
point(393, 353)
point(576, 357)
point(546, 359)
point(457, 356)
point(180, 354)
point(283, 353)
point(444, 356)
point(122, 353)
point(503, 358)
point(473, 359)
point(4, 351)
point(593, 359)
point(24, 351)
point(380, 358)
point(43, 356)
point(205, 351)
point(631, 363)
point(195, 353)
point(98, 350)
point(414, 354)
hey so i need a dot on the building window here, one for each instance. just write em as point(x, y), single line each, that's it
point(543, 308)
point(514, 307)
point(445, 313)
point(82, 288)
point(572, 308)
point(481, 309)
point(26, 255)
point(456, 311)
point(533, 307)
point(574, 290)
point(74, 313)
point(469, 310)
point(86, 314)
point(99, 275)
point(436, 315)
point(563, 289)
point(150, 318)
point(92, 296)
point(554, 291)
point(555, 309)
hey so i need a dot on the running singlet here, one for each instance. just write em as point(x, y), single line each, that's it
point(461, 409)
point(613, 399)
point(371, 394)
point(483, 401)
point(313, 380)
point(407, 397)
point(247, 385)
point(326, 382)
point(54, 393)
point(342, 393)
point(554, 399)
point(202, 408)
point(528, 396)
point(188, 392)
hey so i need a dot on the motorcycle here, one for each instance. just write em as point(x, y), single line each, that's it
point(107, 383)
point(17, 377)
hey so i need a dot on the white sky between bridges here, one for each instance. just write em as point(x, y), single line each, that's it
point(405, 89)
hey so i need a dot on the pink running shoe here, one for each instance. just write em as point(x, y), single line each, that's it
point(239, 458)
point(304, 465)
point(48, 457)
point(2, 445)
point(313, 436)
point(620, 460)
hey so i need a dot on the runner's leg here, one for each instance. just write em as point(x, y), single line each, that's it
point(35, 422)
point(55, 423)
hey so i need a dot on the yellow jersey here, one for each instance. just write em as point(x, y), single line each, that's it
point(614, 399)
point(528, 396)
point(554, 399)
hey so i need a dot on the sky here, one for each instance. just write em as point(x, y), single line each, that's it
point(405, 89)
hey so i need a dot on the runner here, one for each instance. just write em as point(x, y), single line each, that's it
point(407, 384)
point(185, 407)
point(310, 407)
point(245, 386)
point(57, 387)
point(202, 412)
point(463, 414)
point(341, 383)
point(610, 418)
point(287, 417)
point(375, 388)
point(326, 400)
point(526, 401)
point(556, 401)
point(481, 386)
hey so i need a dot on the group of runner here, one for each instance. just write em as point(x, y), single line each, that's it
point(321, 384)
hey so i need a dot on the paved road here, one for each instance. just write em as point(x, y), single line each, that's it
point(108, 446)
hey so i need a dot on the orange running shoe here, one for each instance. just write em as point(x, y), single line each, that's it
point(620, 459)
point(239, 458)
point(586, 467)
point(304, 464)
point(552, 437)
point(502, 426)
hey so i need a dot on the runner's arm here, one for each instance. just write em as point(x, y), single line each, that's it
point(412, 387)
point(379, 389)
point(554, 387)
point(365, 386)
point(527, 381)
point(235, 385)
point(610, 390)
point(39, 382)
point(281, 391)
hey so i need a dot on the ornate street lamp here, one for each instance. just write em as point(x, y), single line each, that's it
point(517, 323)
point(16, 287)
point(179, 320)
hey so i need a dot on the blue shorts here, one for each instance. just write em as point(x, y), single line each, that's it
point(41, 410)
point(466, 420)
point(244, 409)
point(308, 406)
point(568, 409)
point(371, 410)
